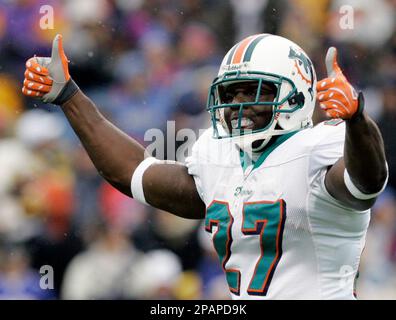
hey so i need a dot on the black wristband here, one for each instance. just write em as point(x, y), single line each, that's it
point(359, 112)
point(69, 90)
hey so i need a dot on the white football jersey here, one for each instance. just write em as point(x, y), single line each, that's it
point(277, 231)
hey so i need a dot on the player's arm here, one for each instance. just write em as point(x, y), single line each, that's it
point(358, 177)
point(114, 154)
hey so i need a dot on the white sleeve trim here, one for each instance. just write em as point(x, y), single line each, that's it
point(137, 179)
point(356, 192)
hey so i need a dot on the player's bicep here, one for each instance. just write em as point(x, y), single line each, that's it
point(335, 185)
point(169, 187)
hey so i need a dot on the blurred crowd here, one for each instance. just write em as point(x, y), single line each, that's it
point(146, 62)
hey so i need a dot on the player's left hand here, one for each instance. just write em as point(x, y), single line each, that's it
point(336, 95)
point(48, 79)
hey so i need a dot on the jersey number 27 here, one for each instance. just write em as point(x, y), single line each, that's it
point(262, 219)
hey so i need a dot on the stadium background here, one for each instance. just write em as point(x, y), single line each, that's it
point(145, 63)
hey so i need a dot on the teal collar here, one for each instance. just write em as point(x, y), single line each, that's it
point(245, 159)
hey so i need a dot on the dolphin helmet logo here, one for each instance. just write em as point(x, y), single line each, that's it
point(304, 68)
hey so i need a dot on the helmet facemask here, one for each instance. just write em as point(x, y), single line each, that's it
point(286, 100)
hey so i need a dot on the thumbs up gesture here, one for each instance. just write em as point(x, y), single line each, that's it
point(48, 78)
point(335, 94)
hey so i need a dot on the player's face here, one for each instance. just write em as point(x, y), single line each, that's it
point(253, 117)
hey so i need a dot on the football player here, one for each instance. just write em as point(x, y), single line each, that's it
point(286, 203)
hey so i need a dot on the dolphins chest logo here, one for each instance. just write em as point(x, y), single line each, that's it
point(304, 68)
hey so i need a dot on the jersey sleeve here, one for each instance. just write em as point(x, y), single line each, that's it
point(328, 149)
point(194, 163)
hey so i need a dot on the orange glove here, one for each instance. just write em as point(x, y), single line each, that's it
point(48, 78)
point(335, 94)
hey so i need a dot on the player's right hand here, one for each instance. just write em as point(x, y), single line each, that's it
point(48, 78)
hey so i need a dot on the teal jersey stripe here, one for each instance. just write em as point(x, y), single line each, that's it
point(249, 50)
point(267, 151)
point(279, 140)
